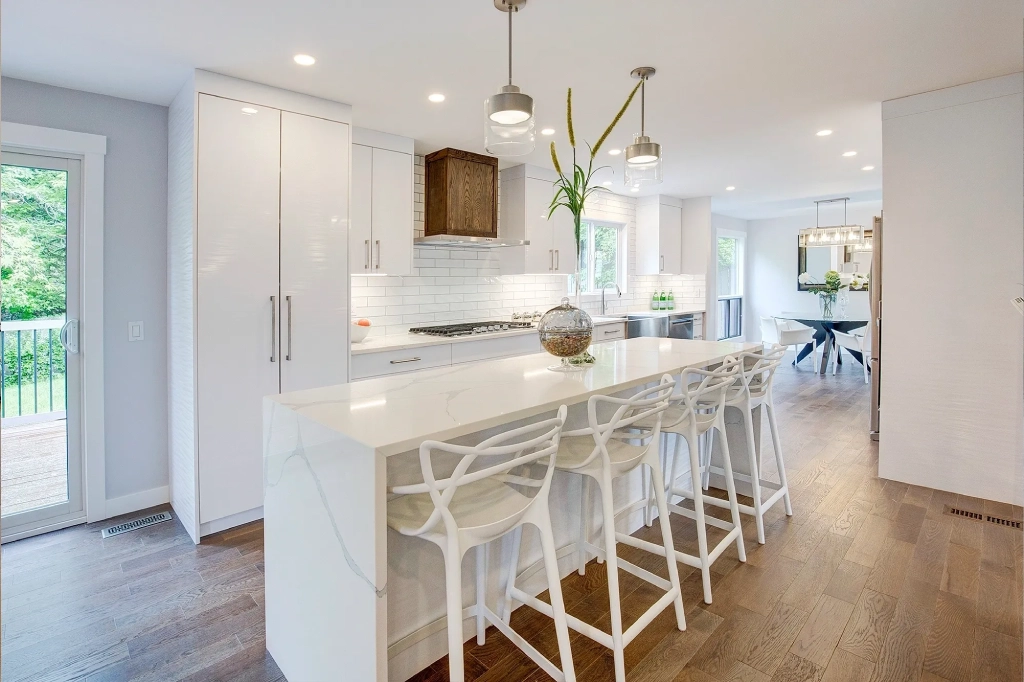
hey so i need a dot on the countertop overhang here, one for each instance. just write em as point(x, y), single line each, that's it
point(395, 414)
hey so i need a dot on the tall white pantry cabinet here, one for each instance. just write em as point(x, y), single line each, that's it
point(258, 283)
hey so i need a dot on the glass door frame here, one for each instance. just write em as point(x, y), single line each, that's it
point(89, 151)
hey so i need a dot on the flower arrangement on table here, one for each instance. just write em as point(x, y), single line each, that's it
point(826, 291)
point(860, 281)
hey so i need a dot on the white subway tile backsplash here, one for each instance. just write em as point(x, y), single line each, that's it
point(452, 284)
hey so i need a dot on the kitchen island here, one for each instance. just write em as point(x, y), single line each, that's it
point(346, 598)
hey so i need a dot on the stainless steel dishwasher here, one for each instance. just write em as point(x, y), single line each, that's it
point(680, 326)
point(673, 326)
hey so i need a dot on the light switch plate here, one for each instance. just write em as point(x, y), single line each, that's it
point(135, 331)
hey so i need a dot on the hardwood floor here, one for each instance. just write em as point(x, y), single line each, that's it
point(869, 581)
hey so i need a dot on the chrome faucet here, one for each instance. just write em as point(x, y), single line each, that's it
point(617, 290)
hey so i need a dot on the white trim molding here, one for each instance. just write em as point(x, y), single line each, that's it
point(144, 499)
point(92, 150)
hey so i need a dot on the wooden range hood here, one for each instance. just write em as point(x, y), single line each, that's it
point(462, 201)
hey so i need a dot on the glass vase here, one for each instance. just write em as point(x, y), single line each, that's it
point(827, 303)
point(842, 304)
point(566, 332)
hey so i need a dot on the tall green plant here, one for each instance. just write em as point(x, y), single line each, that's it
point(573, 190)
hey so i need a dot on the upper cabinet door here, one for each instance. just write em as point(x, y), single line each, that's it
point(314, 252)
point(360, 241)
point(670, 228)
point(563, 233)
point(392, 231)
point(238, 356)
point(540, 254)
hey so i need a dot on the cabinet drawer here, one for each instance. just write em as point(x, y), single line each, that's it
point(612, 331)
point(487, 349)
point(367, 365)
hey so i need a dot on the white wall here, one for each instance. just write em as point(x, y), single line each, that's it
point(953, 258)
point(728, 224)
point(134, 278)
point(772, 263)
point(450, 285)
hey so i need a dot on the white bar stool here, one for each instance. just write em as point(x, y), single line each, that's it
point(604, 451)
point(472, 508)
point(696, 410)
point(751, 391)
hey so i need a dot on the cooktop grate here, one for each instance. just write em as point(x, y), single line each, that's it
point(470, 328)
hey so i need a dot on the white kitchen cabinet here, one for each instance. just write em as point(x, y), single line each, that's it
point(526, 193)
point(659, 228)
point(258, 279)
point(697, 236)
point(314, 317)
point(609, 331)
point(382, 204)
point(383, 363)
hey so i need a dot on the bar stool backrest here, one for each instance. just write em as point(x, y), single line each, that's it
point(757, 370)
point(519, 448)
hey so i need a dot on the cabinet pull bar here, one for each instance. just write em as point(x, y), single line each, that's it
point(611, 331)
point(558, 259)
point(663, 264)
point(367, 266)
point(273, 328)
point(288, 353)
point(378, 254)
point(551, 259)
point(399, 362)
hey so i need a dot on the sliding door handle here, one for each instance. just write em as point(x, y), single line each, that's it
point(288, 351)
point(273, 328)
point(69, 336)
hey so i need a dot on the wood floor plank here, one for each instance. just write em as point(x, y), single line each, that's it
point(768, 649)
point(816, 573)
point(821, 632)
point(901, 656)
point(996, 657)
point(999, 603)
point(848, 581)
point(867, 545)
point(845, 667)
point(961, 571)
point(672, 653)
point(891, 567)
point(796, 669)
point(869, 624)
point(949, 648)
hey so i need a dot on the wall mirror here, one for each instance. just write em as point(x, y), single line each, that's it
point(817, 260)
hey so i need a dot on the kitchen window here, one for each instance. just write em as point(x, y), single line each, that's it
point(730, 284)
point(602, 257)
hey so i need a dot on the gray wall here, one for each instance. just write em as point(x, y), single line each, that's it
point(135, 267)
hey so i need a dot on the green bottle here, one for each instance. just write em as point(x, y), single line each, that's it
point(664, 302)
point(654, 301)
point(671, 301)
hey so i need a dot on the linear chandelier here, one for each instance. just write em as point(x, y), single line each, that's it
point(831, 235)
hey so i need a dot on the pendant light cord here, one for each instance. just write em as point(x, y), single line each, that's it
point(643, 91)
point(511, 9)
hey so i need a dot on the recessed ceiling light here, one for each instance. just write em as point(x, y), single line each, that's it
point(248, 111)
point(634, 189)
point(304, 60)
point(547, 131)
point(729, 188)
point(607, 183)
point(614, 152)
point(436, 97)
point(868, 168)
point(823, 133)
point(849, 153)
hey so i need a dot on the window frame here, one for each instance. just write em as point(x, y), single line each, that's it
point(621, 256)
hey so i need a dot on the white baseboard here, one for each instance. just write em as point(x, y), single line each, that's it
point(143, 499)
point(217, 525)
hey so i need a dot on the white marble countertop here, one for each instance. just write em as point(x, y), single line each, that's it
point(395, 414)
point(376, 344)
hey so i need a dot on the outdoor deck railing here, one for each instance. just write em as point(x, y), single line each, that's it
point(32, 367)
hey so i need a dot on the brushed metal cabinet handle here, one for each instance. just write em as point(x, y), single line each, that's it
point(288, 353)
point(551, 259)
point(367, 265)
point(273, 328)
point(611, 331)
point(662, 263)
point(558, 259)
point(399, 362)
point(378, 254)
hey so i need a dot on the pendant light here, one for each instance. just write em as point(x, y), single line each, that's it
point(508, 115)
point(835, 235)
point(643, 157)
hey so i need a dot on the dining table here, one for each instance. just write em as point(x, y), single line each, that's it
point(823, 336)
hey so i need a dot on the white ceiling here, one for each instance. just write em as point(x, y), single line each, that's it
point(741, 88)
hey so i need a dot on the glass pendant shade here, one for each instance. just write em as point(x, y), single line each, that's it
point(643, 162)
point(838, 235)
point(509, 125)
